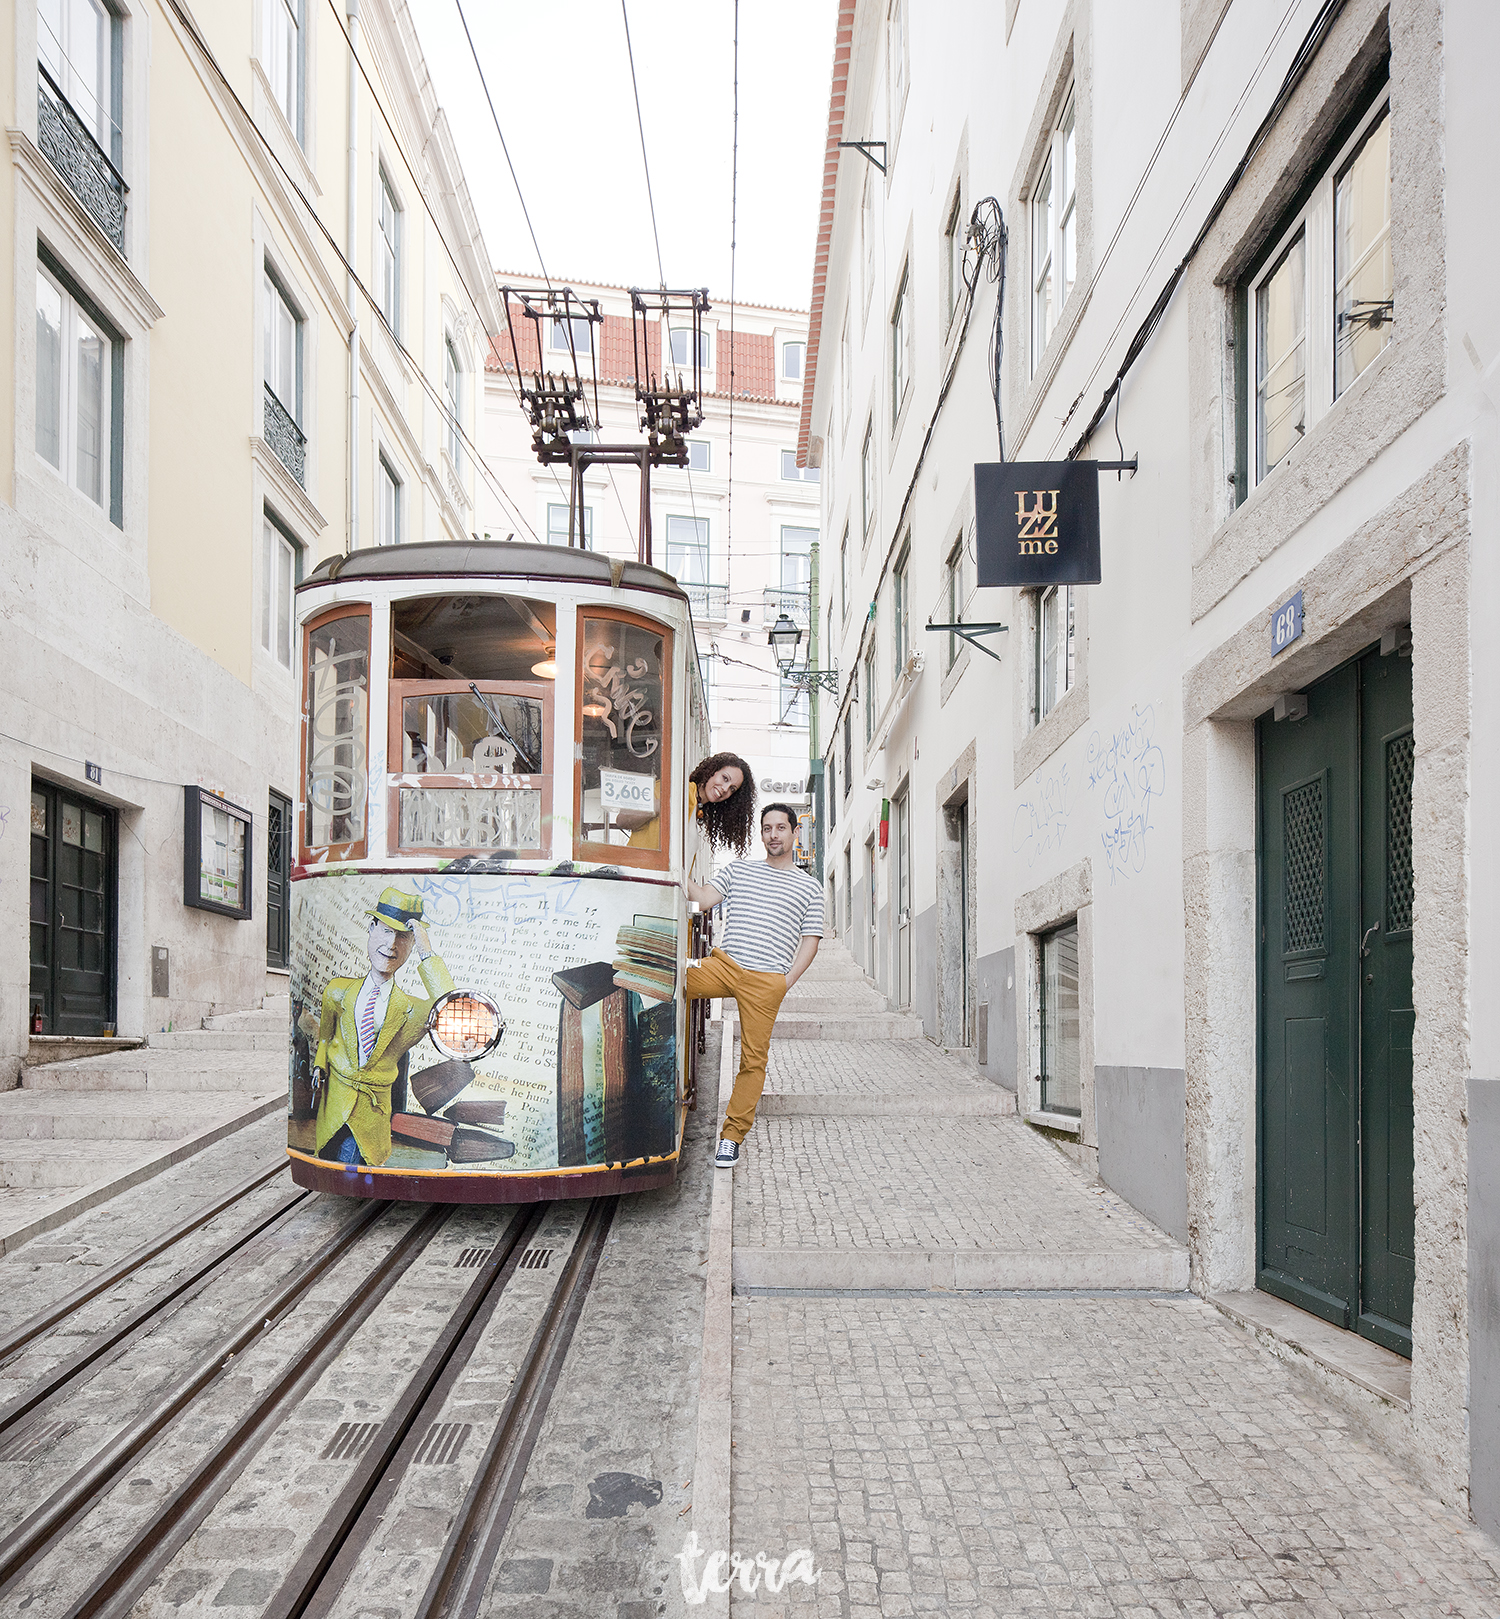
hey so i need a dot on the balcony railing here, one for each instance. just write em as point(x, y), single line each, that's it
point(82, 162)
point(794, 603)
point(709, 602)
point(285, 437)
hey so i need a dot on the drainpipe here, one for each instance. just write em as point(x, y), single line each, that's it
point(351, 291)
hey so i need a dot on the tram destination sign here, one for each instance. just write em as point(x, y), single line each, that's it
point(1037, 522)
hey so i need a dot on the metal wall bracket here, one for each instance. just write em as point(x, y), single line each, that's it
point(968, 632)
point(866, 149)
point(1118, 467)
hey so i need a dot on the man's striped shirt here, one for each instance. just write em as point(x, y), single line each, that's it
point(771, 910)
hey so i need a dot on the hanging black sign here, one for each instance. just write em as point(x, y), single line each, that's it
point(1037, 522)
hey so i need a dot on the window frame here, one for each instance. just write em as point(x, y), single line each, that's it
point(390, 243)
point(786, 349)
point(1052, 934)
point(706, 446)
point(844, 577)
point(278, 297)
point(617, 854)
point(568, 329)
point(953, 579)
point(296, 12)
point(1054, 244)
point(75, 306)
point(953, 258)
point(1312, 216)
point(453, 399)
point(1039, 709)
point(848, 750)
point(64, 73)
point(901, 610)
point(705, 346)
point(397, 691)
point(702, 544)
point(390, 490)
point(353, 848)
point(278, 543)
point(588, 524)
point(798, 474)
point(901, 345)
point(871, 660)
point(867, 478)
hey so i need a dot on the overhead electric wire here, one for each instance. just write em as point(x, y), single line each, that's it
point(191, 29)
point(479, 67)
point(640, 125)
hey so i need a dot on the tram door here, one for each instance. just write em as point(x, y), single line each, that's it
point(72, 911)
point(902, 897)
point(1336, 1197)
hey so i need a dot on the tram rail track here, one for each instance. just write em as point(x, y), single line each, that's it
point(347, 1530)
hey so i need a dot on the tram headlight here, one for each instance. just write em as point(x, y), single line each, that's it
point(465, 1024)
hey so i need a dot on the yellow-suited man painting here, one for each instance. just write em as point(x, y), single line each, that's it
point(368, 1025)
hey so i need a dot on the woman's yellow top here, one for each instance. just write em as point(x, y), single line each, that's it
point(648, 836)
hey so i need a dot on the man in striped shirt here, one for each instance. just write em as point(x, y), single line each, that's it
point(774, 928)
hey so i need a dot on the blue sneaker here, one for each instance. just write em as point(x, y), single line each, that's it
point(728, 1155)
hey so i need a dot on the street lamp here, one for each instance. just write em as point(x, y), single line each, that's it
point(785, 638)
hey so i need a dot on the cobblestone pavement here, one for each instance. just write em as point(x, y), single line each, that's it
point(1090, 1455)
point(810, 1182)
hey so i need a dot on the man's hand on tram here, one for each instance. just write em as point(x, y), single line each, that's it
point(701, 893)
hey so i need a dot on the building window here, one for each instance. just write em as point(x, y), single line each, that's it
point(792, 355)
point(687, 550)
point(953, 259)
point(453, 398)
point(282, 57)
point(1054, 648)
point(848, 750)
point(76, 45)
point(846, 374)
point(792, 473)
point(900, 345)
point(833, 813)
point(867, 237)
point(699, 458)
point(579, 341)
point(388, 271)
point(76, 363)
point(1323, 307)
point(283, 349)
point(867, 477)
point(557, 525)
point(796, 567)
point(953, 581)
point(1054, 231)
point(278, 579)
point(682, 347)
point(870, 694)
point(1059, 1021)
point(900, 67)
point(387, 504)
point(844, 576)
point(901, 612)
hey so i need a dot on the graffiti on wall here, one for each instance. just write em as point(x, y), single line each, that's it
point(1128, 770)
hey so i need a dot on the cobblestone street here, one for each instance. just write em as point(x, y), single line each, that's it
point(1018, 1446)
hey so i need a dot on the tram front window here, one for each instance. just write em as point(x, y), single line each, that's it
point(336, 701)
point(624, 696)
point(472, 766)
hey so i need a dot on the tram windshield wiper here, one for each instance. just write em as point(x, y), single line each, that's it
point(500, 726)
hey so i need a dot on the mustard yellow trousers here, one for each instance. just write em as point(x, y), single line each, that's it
point(758, 998)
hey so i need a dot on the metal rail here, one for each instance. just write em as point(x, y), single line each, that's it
point(36, 1325)
point(46, 1525)
point(174, 1523)
point(73, 1368)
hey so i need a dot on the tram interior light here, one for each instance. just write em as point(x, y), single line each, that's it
point(785, 638)
point(547, 668)
point(466, 1024)
point(594, 711)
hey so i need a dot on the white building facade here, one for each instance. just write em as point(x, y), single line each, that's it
point(738, 526)
point(1191, 863)
point(202, 402)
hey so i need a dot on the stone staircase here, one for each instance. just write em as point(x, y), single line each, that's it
point(77, 1131)
point(834, 1000)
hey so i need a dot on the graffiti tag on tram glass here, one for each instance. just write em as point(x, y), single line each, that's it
point(337, 777)
point(1130, 769)
point(610, 686)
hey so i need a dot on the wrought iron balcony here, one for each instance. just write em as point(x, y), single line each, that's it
point(794, 603)
point(709, 602)
point(285, 437)
point(82, 162)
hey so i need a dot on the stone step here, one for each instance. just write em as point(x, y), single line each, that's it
point(853, 1004)
point(150, 1069)
point(262, 1022)
point(843, 967)
point(220, 1040)
point(31, 1116)
point(280, 1002)
point(48, 1164)
point(862, 1026)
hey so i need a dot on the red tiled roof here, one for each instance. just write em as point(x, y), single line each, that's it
point(841, 40)
point(753, 355)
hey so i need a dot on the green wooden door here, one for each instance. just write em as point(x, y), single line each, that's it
point(72, 911)
point(1388, 1217)
point(1309, 843)
point(1336, 1019)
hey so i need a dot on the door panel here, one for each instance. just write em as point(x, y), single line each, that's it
point(1387, 1020)
point(1309, 842)
point(72, 911)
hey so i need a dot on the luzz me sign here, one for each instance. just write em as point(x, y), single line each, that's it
point(1037, 522)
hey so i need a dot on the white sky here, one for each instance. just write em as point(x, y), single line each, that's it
point(560, 79)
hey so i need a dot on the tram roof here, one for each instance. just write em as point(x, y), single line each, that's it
point(491, 559)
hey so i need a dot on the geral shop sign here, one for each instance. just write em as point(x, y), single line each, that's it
point(778, 778)
point(1037, 522)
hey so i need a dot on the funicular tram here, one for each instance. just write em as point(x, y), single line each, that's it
point(496, 746)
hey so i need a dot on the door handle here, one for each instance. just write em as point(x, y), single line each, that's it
point(1364, 947)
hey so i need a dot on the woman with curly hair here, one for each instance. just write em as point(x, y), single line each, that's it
point(721, 795)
